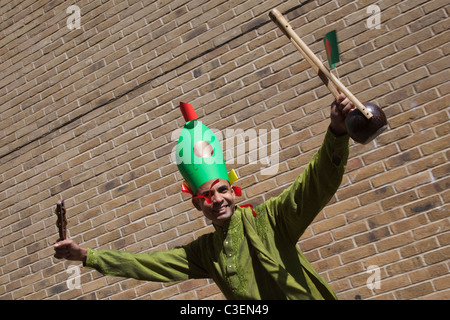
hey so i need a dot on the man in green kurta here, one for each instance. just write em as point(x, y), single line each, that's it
point(252, 254)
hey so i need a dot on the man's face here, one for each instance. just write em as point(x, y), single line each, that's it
point(222, 198)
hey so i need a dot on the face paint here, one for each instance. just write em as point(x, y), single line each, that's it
point(208, 199)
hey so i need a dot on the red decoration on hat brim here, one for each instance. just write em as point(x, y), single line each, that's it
point(237, 191)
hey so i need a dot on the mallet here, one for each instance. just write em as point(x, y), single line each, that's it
point(363, 124)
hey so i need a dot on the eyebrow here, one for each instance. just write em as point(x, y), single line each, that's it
point(222, 187)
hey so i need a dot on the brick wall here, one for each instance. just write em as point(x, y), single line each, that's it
point(87, 115)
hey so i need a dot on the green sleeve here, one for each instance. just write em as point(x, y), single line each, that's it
point(162, 266)
point(297, 206)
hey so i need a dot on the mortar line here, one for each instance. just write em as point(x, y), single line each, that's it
point(146, 83)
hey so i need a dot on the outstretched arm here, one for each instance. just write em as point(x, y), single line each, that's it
point(180, 263)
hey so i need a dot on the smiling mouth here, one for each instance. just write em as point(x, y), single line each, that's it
point(221, 210)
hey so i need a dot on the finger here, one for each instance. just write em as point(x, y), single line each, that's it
point(345, 102)
point(65, 242)
point(341, 98)
point(56, 245)
point(338, 100)
point(349, 107)
point(60, 255)
point(61, 252)
point(60, 244)
point(334, 104)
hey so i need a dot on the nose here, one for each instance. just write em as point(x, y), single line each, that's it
point(216, 198)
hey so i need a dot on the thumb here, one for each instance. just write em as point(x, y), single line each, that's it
point(62, 243)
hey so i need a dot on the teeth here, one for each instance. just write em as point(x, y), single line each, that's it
point(220, 209)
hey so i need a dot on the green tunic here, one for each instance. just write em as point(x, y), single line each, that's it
point(249, 257)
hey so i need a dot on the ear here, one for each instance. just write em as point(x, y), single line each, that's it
point(196, 204)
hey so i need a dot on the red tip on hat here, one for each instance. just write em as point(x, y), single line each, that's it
point(188, 111)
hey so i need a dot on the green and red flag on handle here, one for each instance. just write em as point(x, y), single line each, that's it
point(331, 46)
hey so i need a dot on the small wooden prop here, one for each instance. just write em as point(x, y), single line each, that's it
point(61, 223)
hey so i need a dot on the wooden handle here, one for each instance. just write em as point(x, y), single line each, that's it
point(333, 83)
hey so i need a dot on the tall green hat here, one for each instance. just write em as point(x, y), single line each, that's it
point(199, 155)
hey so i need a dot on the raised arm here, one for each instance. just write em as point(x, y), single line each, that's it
point(298, 205)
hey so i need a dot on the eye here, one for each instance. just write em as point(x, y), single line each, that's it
point(223, 189)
